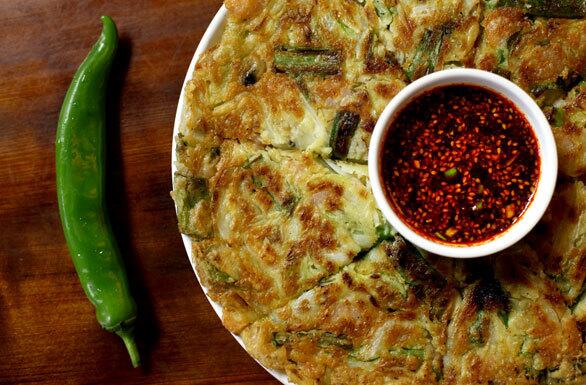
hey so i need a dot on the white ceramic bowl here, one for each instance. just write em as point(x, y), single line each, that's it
point(547, 153)
point(210, 38)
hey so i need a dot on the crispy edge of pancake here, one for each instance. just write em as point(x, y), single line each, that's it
point(323, 337)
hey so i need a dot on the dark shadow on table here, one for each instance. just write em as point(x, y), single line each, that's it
point(147, 329)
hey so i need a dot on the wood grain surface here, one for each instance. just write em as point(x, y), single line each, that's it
point(48, 332)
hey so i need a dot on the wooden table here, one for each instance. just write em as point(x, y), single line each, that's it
point(48, 332)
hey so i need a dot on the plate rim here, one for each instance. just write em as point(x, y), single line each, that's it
point(211, 36)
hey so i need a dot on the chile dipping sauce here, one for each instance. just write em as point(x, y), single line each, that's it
point(460, 164)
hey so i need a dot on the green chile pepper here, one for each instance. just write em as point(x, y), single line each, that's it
point(80, 163)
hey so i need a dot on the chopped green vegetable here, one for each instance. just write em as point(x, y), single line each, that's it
point(363, 354)
point(280, 338)
point(257, 182)
point(188, 192)
point(440, 236)
point(451, 173)
point(501, 57)
point(504, 316)
point(344, 127)
point(329, 339)
point(383, 12)
point(504, 53)
point(428, 52)
point(476, 335)
point(378, 58)
point(454, 63)
point(478, 206)
point(562, 282)
point(491, 4)
point(578, 118)
point(288, 205)
point(541, 88)
point(414, 352)
point(347, 29)
point(307, 60)
point(327, 280)
point(218, 275)
point(250, 161)
point(385, 231)
point(581, 295)
point(354, 358)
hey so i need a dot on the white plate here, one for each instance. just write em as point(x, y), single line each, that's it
point(210, 38)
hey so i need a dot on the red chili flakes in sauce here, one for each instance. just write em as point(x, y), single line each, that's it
point(460, 164)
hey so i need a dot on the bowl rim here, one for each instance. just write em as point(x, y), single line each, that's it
point(211, 37)
point(547, 153)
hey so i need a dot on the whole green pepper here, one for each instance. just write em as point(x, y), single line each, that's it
point(80, 158)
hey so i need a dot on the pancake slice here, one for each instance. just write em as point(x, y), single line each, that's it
point(562, 239)
point(380, 320)
point(272, 223)
point(512, 326)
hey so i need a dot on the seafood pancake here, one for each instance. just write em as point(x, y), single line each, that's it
point(272, 188)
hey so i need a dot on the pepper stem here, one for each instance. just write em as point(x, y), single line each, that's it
point(130, 344)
